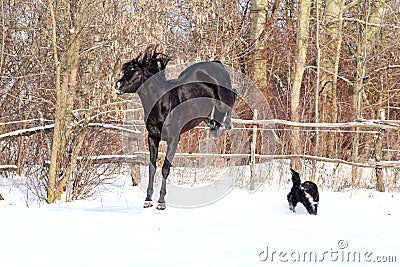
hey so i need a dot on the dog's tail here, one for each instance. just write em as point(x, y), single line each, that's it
point(294, 172)
point(296, 178)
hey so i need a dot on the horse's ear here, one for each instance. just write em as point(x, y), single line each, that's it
point(160, 59)
point(162, 63)
point(146, 60)
point(155, 50)
point(136, 60)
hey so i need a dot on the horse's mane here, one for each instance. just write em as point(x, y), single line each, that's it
point(150, 61)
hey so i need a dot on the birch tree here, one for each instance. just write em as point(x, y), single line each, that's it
point(367, 40)
point(371, 26)
point(258, 17)
point(330, 45)
point(66, 70)
point(303, 29)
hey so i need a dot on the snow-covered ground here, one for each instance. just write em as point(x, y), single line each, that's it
point(241, 229)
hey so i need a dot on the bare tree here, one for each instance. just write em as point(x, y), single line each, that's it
point(330, 44)
point(374, 15)
point(258, 17)
point(303, 29)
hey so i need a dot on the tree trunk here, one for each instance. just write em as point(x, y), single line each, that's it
point(299, 64)
point(258, 17)
point(369, 36)
point(365, 46)
point(330, 41)
point(65, 92)
point(51, 186)
point(82, 133)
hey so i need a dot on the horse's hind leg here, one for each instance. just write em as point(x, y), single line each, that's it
point(171, 149)
point(210, 123)
point(153, 148)
point(227, 120)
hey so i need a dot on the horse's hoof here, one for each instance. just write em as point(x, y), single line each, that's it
point(147, 204)
point(161, 206)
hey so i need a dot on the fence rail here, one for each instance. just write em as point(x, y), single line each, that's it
point(386, 124)
point(383, 124)
point(138, 154)
point(380, 124)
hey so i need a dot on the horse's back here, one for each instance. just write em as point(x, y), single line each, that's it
point(212, 72)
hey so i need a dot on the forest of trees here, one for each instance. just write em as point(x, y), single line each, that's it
point(320, 61)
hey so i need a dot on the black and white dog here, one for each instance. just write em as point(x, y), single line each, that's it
point(305, 193)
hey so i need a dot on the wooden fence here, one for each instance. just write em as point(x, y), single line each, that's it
point(257, 126)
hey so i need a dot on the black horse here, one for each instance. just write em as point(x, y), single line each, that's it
point(202, 92)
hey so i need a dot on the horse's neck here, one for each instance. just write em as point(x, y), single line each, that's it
point(151, 92)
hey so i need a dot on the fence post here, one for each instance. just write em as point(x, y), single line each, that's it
point(253, 146)
point(378, 154)
point(135, 173)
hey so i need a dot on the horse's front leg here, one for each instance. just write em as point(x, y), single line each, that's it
point(153, 148)
point(171, 149)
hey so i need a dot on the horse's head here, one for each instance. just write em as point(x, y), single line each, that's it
point(139, 69)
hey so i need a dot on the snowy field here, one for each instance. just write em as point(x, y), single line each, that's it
point(357, 228)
